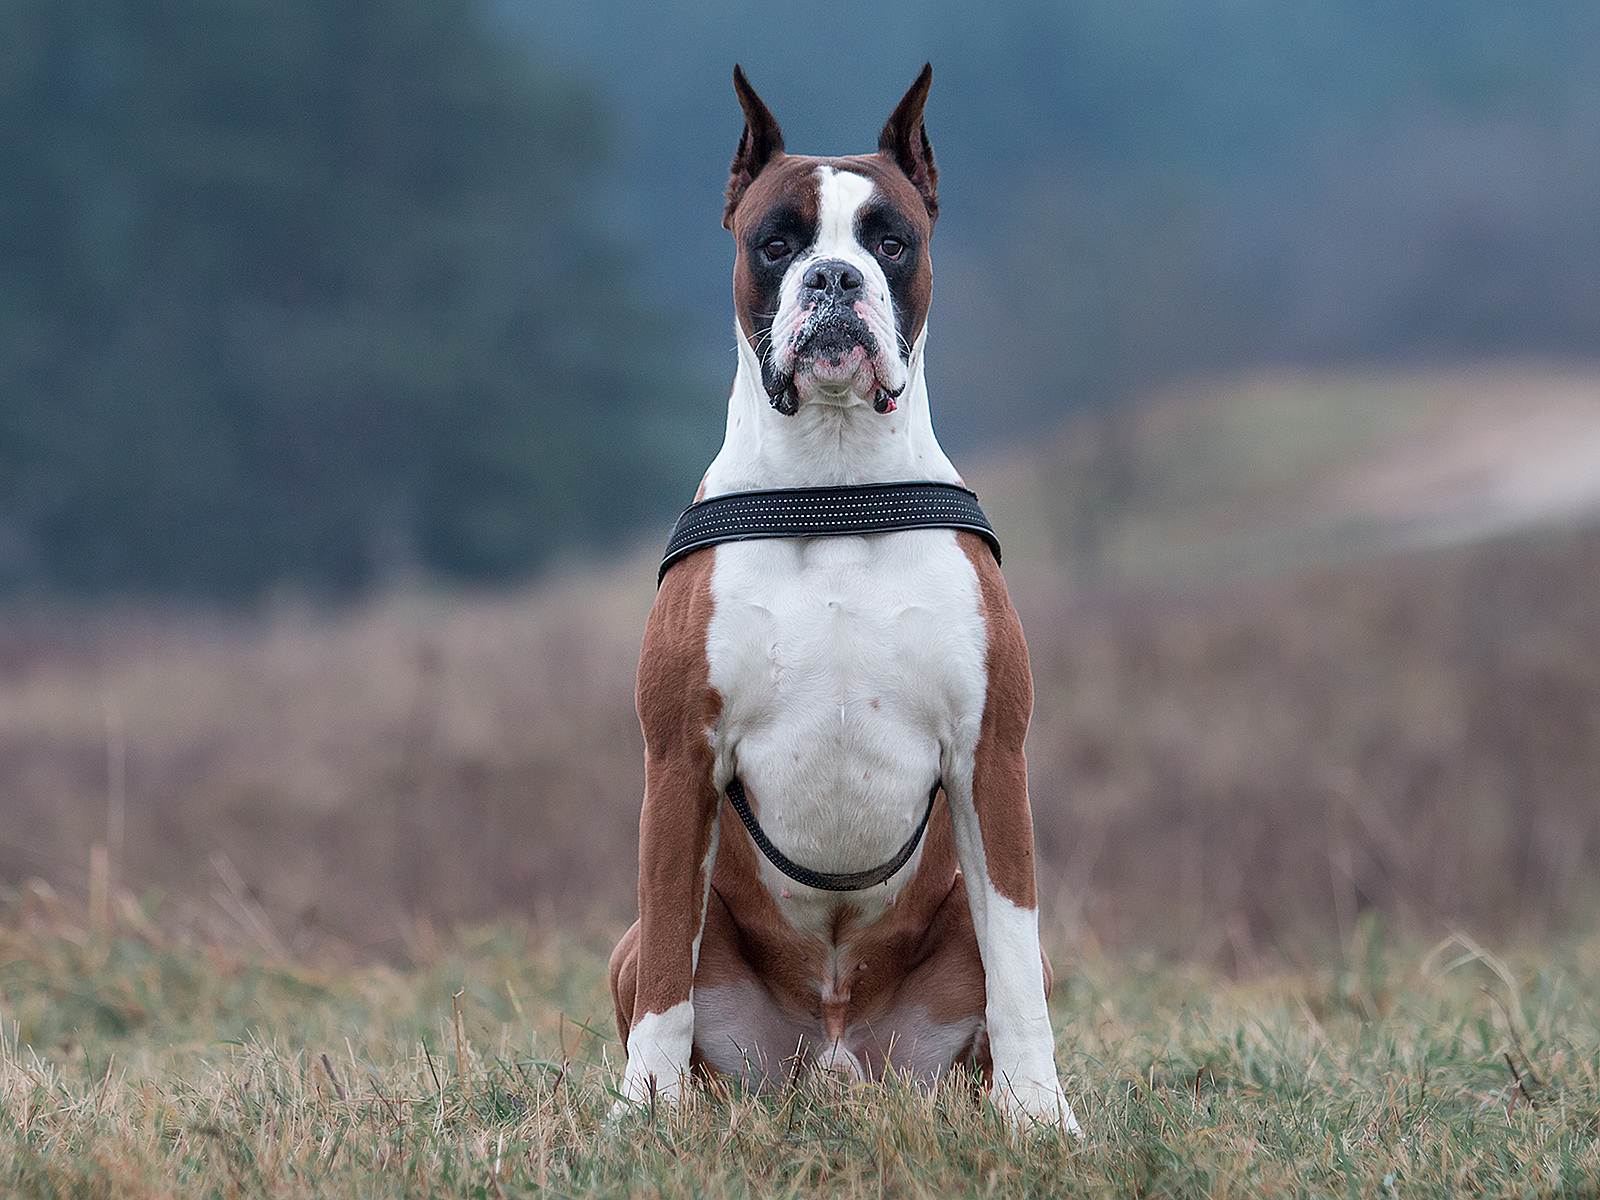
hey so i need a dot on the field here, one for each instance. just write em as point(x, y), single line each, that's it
point(304, 902)
point(136, 1065)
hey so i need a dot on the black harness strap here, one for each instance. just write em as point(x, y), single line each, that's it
point(826, 512)
point(849, 881)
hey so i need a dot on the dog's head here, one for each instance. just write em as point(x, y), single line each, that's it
point(833, 280)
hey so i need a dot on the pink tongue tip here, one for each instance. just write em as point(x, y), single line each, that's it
point(883, 402)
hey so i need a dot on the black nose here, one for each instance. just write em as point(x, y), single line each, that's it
point(831, 279)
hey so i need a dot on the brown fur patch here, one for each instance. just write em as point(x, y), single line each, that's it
point(1000, 772)
point(787, 179)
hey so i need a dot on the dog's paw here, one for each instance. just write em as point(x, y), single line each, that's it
point(659, 1048)
point(1028, 1104)
point(645, 1086)
point(645, 1092)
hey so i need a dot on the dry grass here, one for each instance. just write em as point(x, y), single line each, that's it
point(1224, 776)
point(455, 756)
point(1251, 770)
point(141, 1065)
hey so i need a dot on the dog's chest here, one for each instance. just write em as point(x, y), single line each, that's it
point(850, 669)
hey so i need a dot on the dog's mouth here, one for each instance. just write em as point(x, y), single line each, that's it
point(833, 357)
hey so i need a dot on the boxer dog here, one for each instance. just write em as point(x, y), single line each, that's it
point(844, 682)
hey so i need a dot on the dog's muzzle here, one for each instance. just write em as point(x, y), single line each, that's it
point(833, 343)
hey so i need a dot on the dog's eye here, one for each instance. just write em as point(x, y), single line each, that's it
point(891, 248)
point(775, 249)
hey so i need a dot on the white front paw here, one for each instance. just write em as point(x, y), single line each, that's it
point(659, 1046)
point(1031, 1102)
point(644, 1087)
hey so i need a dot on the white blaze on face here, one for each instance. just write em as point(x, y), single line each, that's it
point(840, 196)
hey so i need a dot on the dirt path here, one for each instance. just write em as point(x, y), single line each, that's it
point(1510, 452)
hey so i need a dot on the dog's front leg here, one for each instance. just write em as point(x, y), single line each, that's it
point(653, 985)
point(677, 851)
point(996, 857)
point(986, 785)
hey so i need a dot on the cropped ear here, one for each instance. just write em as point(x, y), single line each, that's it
point(762, 142)
point(906, 141)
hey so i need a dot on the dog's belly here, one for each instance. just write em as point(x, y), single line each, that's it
point(849, 669)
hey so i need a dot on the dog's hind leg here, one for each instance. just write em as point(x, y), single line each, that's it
point(739, 1029)
point(935, 1019)
point(624, 971)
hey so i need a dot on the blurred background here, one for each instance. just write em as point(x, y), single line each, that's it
point(356, 356)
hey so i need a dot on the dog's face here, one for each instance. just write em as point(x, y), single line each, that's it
point(833, 279)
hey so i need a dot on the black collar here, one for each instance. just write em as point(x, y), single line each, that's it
point(826, 512)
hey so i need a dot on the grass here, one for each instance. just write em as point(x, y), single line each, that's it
point(139, 1065)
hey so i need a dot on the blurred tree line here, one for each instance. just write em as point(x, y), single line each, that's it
point(322, 294)
point(308, 292)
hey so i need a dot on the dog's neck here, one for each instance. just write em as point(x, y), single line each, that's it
point(824, 443)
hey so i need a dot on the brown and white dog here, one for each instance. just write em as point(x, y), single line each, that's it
point(839, 679)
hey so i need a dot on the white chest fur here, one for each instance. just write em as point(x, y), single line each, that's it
point(850, 670)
